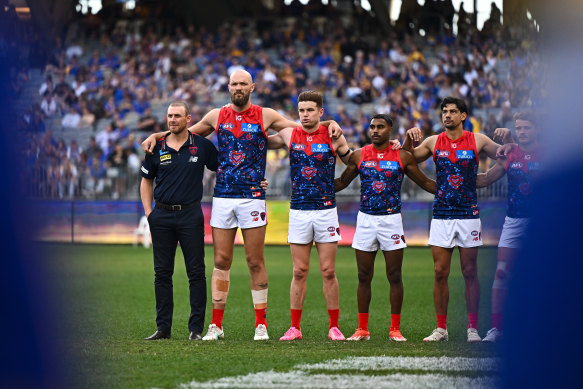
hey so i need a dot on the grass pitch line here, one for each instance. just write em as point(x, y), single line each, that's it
point(443, 364)
point(300, 377)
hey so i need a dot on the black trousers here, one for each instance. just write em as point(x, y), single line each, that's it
point(167, 229)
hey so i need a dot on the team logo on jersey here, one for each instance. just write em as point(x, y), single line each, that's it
point(391, 165)
point(254, 213)
point(236, 157)
point(331, 160)
point(403, 238)
point(308, 172)
point(262, 216)
point(250, 127)
point(298, 146)
point(193, 150)
point(370, 164)
point(516, 165)
point(395, 236)
point(227, 126)
point(474, 233)
point(320, 148)
point(338, 230)
point(455, 181)
point(443, 154)
point(378, 186)
point(464, 154)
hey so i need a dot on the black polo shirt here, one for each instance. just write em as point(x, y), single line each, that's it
point(179, 173)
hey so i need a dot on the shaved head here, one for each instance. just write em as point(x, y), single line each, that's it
point(240, 87)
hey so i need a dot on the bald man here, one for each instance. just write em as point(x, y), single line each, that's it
point(239, 200)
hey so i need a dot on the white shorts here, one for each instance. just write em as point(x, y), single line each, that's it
point(230, 213)
point(374, 231)
point(513, 232)
point(319, 226)
point(455, 232)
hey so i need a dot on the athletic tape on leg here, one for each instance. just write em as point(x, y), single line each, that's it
point(220, 286)
point(259, 297)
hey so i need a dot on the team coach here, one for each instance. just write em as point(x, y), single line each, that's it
point(177, 164)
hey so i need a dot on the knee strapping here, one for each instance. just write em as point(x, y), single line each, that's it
point(259, 298)
point(220, 286)
point(501, 276)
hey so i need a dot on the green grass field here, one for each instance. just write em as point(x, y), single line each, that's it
point(109, 304)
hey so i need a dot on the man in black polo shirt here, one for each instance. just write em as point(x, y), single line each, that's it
point(177, 164)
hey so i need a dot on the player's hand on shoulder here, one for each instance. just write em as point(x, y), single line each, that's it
point(503, 135)
point(148, 144)
point(395, 144)
point(334, 130)
point(503, 151)
point(415, 134)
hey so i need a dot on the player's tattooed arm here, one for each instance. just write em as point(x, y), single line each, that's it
point(349, 173)
point(342, 149)
point(492, 175)
point(424, 150)
point(414, 173)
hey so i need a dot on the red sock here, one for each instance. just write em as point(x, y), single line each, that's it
point(218, 317)
point(261, 317)
point(473, 320)
point(442, 321)
point(395, 321)
point(497, 319)
point(296, 317)
point(333, 313)
point(363, 321)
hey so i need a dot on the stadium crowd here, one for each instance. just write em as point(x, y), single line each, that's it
point(107, 86)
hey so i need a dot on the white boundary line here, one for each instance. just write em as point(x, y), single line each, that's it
point(300, 377)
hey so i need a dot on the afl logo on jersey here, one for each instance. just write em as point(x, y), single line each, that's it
point(443, 154)
point(227, 126)
point(516, 165)
point(370, 164)
point(298, 146)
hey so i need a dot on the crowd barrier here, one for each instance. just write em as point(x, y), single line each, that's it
point(114, 222)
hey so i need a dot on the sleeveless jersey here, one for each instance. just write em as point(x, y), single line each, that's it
point(242, 153)
point(456, 168)
point(312, 162)
point(381, 175)
point(522, 168)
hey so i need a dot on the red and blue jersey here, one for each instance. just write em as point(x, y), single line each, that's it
point(242, 153)
point(522, 169)
point(381, 176)
point(456, 168)
point(312, 161)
